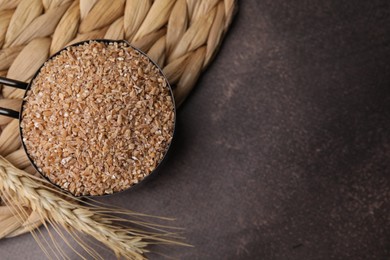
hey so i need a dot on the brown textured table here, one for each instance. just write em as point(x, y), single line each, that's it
point(282, 151)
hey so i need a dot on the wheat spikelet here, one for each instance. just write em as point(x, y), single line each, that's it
point(182, 36)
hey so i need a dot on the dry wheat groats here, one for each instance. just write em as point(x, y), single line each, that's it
point(98, 118)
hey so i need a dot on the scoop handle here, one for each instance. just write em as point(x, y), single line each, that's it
point(9, 112)
point(13, 83)
point(16, 84)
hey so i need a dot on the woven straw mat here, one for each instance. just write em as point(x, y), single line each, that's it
point(182, 36)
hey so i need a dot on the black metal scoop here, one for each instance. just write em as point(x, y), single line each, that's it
point(27, 86)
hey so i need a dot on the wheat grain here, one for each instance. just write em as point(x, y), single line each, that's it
point(98, 118)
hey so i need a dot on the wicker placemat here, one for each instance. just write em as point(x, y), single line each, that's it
point(182, 36)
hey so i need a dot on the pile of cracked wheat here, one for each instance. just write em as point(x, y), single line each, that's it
point(98, 118)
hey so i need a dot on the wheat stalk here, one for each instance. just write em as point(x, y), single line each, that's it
point(20, 191)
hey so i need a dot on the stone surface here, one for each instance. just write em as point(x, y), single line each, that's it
point(282, 151)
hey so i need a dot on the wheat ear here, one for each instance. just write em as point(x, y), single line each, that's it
point(20, 191)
